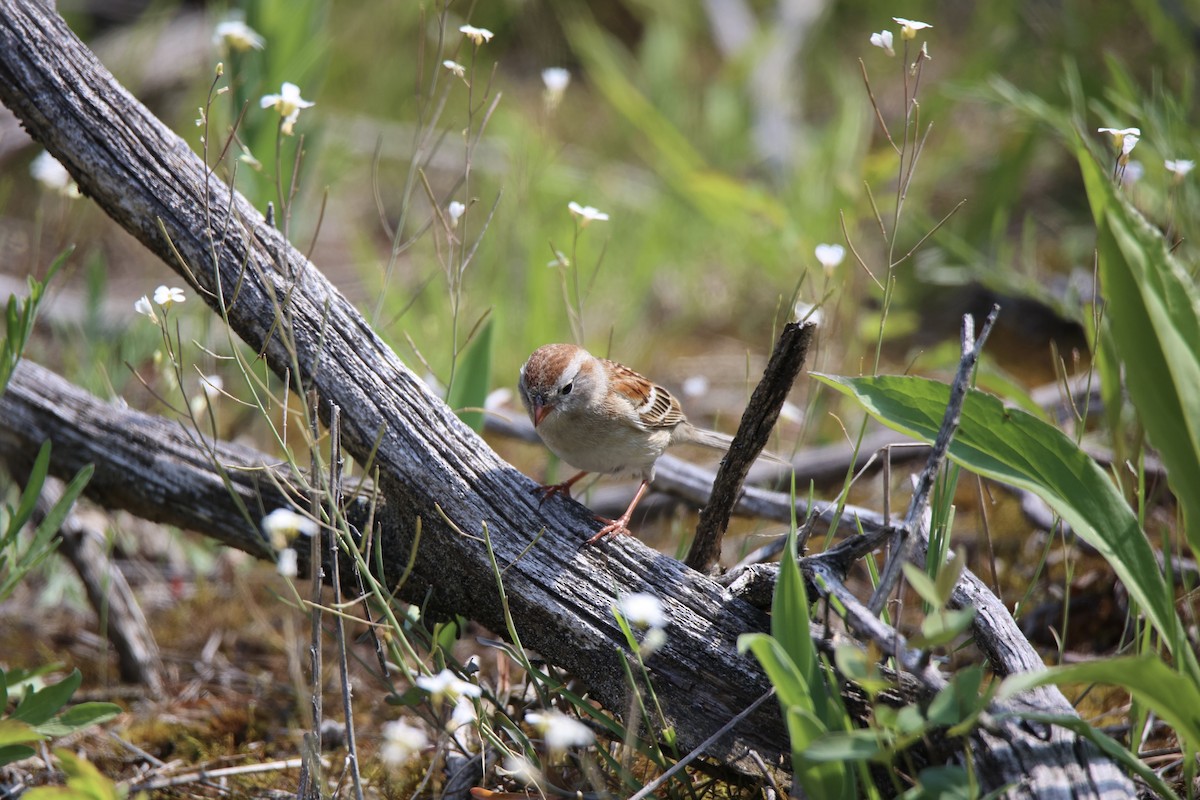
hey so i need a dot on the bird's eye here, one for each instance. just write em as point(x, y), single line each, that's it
point(565, 389)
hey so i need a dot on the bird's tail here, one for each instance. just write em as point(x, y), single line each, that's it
point(719, 441)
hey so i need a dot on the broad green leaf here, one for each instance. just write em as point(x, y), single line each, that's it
point(15, 752)
point(1016, 448)
point(1107, 745)
point(959, 700)
point(472, 378)
point(789, 682)
point(819, 778)
point(1153, 308)
point(857, 745)
point(1171, 695)
point(941, 783)
point(79, 717)
point(943, 627)
point(922, 584)
point(84, 781)
point(38, 707)
point(16, 732)
point(790, 623)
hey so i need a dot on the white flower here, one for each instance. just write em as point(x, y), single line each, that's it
point(830, 255)
point(454, 211)
point(560, 731)
point(463, 714)
point(143, 307)
point(401, 742)
point(909, 27)
point(560, 260)
point(1132, 173)
point(1127, 144)
point(642, 610)
point(807, 311)
point(168, 296)
point(522, 770)
point(49, 171)
point(235, 34)
point(212, 385)
point(1120, 137)
point(556, 80)
point(476, 35)
point(288, 103)
point(447, 684)
point(695, 386)
point(883, 40)
point(1179, 167)
point(586, 214)
point(458, 69)
point(286, 563)
point(283, 525)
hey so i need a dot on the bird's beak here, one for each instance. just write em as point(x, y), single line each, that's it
point(539, 413)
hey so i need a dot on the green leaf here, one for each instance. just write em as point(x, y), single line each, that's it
point(1153, 308)
point(856, 745)
point(472, 378)
point(54, 519)
point(922, 584)
point(1170, 694)
point(84, 781)
point(79, 717)
point(957, 701)
point(33, 488)
point(1016, 448)
point(16, 732)
point(941, 783)
point(790, 624)
point(789, 682)
point(942, 627)
point(819, 779)
point(38, 707)
point(15, 752)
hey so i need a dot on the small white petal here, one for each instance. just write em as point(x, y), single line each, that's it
point(286, 563)
point(143, 307)
point(695, 386)
point(167, 296)
point(560, 731)
point(642, 610)
point(909, 27)
point(586, 214)
point(556, 79)
point(1180, 167)
point(829, 255)
point(283, 525)
point(458, 69)
point(883, 40)
point(476, 35)
point(401, 742)
point(235, 34)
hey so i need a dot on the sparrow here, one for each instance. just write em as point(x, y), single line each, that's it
point(600, 416)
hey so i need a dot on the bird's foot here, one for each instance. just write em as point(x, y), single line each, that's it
point(563, 489)
point(613, 527)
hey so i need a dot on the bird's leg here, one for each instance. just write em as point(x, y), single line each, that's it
point(563, 488)
point(620, 525)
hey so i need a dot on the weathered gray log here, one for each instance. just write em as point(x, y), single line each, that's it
point(148, 180)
